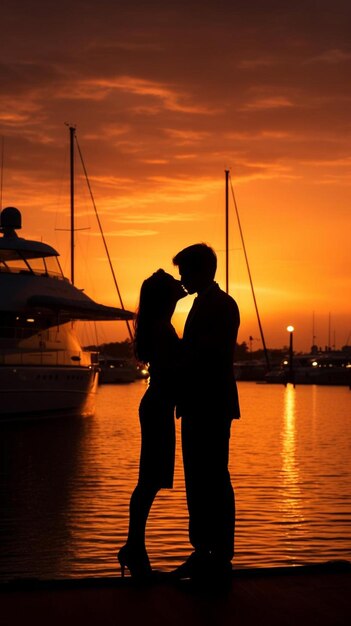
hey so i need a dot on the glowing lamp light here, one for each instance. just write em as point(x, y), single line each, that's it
point(290, 330)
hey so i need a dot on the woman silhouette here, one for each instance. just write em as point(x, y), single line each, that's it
point(156, 343)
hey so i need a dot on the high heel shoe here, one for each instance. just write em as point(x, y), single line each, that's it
point(136, 560)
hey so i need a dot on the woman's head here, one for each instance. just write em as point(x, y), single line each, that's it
point(159, 295)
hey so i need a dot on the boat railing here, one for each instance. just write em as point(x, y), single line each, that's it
point(10, 333)
point(60, 358)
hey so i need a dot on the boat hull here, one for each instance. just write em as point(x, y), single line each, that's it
point(108, 377)
point(328, 376)
point(27, 391)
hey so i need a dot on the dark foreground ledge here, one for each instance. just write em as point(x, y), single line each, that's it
point(290, 596)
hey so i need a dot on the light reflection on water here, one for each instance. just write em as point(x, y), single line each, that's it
point(66, 483)
point(291, 506)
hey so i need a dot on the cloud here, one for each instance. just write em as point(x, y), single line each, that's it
point(100, 88)
point(258, 62)
point(261, 135)
point(155, 161)
point(337, 162)
point(127, 232)
point(157, 218)
point(332, 57)
point(270, 102)
point(266, 292)
point(184, 157)
point(133, 232)
point(19, 111)
point(186, 136)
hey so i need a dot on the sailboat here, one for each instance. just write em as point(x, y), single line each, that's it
point(331, 367)
point(44, 371)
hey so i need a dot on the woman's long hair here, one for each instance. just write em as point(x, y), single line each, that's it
point(158, 295)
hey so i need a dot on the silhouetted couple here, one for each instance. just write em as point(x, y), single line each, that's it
point(194, 377)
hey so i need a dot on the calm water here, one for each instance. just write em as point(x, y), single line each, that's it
point(65, 485)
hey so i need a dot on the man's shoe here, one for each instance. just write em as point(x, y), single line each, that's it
point(220, 574)
point(196, 566)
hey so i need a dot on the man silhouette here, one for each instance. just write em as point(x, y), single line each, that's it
point(207, 404)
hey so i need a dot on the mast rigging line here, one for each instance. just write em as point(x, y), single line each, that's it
point(2, 170)
point(103, 236)
point(249, 273)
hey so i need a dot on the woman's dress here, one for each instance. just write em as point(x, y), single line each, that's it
point(157, 408)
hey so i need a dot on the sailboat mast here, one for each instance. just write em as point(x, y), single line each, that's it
point(103, 238)
point(251, 282)
point(2, 171)
point(226, 231)
point(72, 131)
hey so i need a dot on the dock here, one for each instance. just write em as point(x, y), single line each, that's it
point(288, 596)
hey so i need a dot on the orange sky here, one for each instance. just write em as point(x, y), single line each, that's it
point(165, 97)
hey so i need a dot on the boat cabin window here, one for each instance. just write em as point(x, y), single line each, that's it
point(13, 265)
point(53, 266)
point(48, 265)
point(16, 325)
point(13, 262)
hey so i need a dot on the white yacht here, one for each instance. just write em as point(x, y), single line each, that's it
point(43, 368)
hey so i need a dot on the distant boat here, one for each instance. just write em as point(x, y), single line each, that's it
point(252, 370)
point(323, 368)
point(115, 370)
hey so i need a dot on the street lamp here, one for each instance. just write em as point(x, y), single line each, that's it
point(290, 330)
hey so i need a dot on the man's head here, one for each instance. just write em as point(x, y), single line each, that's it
point(197, 266)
